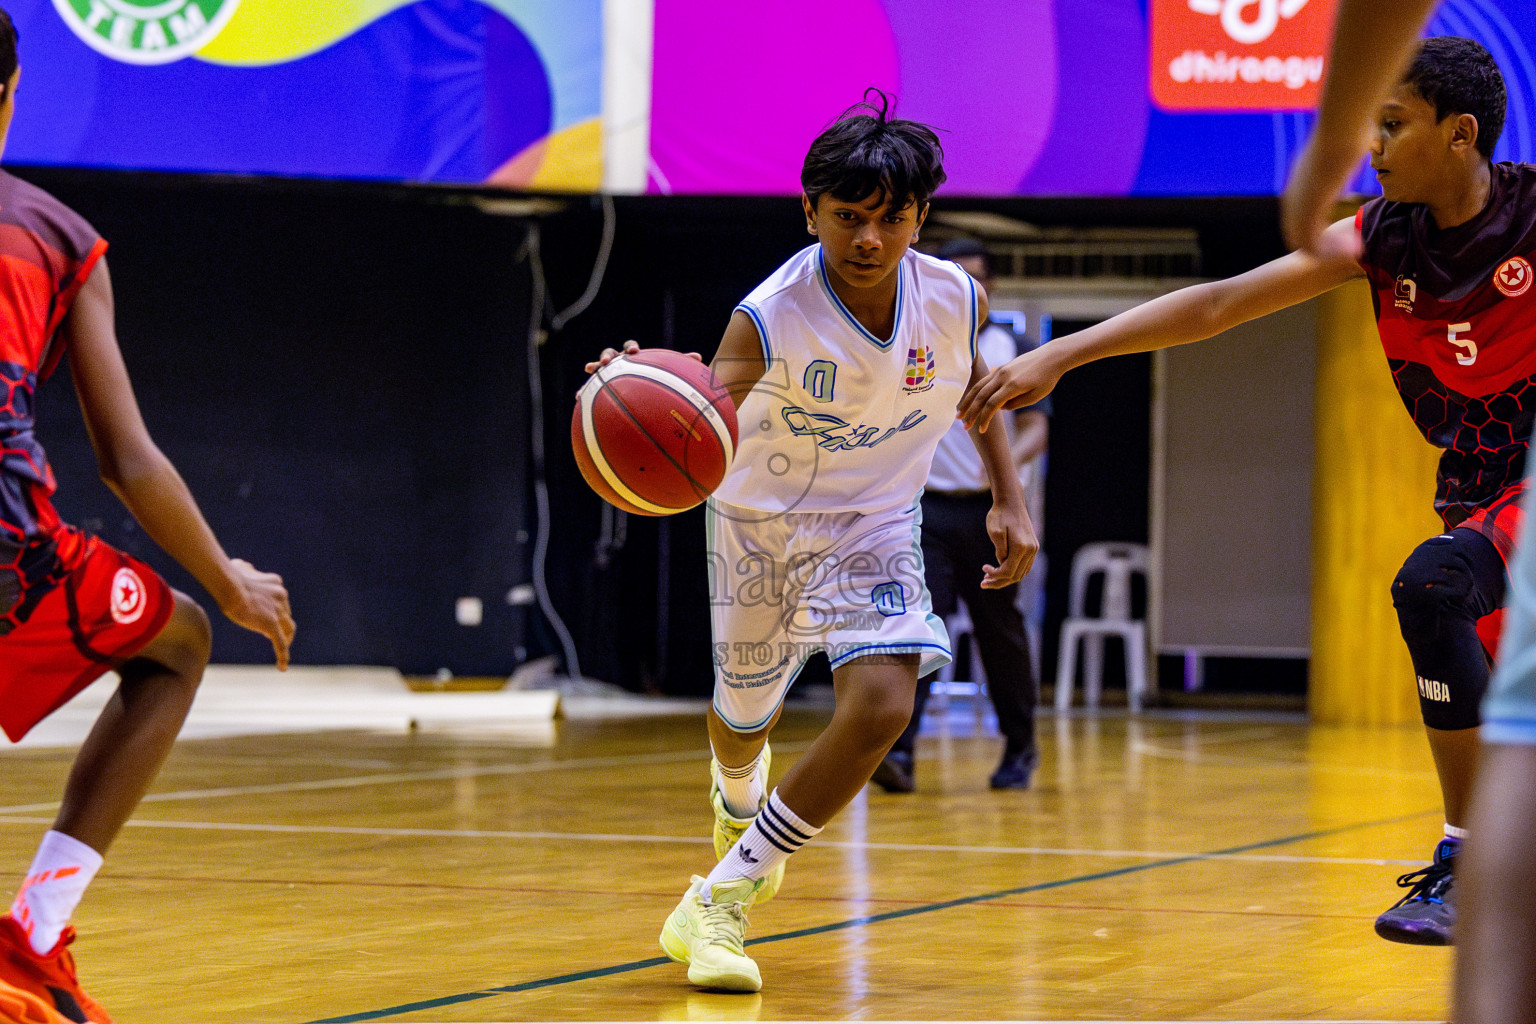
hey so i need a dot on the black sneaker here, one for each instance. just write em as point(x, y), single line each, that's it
point(1427, 914)
point(1014, 771)
point(894, 773)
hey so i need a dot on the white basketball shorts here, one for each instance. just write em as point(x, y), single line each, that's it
point(784, 585)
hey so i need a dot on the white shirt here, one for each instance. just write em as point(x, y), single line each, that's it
point(842, 420)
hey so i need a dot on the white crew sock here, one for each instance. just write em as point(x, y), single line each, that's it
point(1452, 832)
point(742, 788)
point(60, 872)
point(776, 833)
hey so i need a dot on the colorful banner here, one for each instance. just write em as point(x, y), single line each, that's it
point(1035, 97)
point(462, 91)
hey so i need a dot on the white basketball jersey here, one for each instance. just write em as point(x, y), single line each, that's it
point(842, 420)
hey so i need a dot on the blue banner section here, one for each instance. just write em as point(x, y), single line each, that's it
point(449, 91)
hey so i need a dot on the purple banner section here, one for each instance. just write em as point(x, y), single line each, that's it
point(1099, 130)
point(1032, 97)
point(736, 100)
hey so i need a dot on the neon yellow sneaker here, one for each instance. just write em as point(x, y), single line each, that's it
point(711, 937)
point(728, 828)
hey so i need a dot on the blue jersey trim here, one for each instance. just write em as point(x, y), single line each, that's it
point(891, 647)
point(837, 303)
point(762, 328)
point(1511, 731)
point(975, 318)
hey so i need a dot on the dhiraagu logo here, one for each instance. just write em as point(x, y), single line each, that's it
point(146, 31)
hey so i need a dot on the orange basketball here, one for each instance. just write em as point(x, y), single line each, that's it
point(654, 432)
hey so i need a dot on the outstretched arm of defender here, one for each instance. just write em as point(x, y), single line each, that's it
point(1189, 314)
point(146, 482)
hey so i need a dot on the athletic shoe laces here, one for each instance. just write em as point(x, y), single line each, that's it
point(1426, 884)
point(726, 925)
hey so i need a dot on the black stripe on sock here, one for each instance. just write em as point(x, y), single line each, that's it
point(778, 819)
point(745, 771)
point(758, 825)
point(771, 829)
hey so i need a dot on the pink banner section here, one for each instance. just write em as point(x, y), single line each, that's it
point(737, 100)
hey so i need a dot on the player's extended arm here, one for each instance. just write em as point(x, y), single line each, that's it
point(1189, 314)
point(146, 482)
point(1373, 41)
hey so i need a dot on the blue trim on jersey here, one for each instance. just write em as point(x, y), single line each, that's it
point(975, 317)
point(837, 303)
point(762, 328)
point(1511, 731)
point(891, 647)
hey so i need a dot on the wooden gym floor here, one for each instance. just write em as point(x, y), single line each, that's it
point(1201, 868)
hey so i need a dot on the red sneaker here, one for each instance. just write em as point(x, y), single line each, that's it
point(49, 976)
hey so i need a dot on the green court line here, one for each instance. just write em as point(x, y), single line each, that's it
point(859, 922)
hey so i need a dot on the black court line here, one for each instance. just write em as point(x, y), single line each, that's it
point(858, 922)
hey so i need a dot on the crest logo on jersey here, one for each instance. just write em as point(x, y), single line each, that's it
point(128, 597)
point(1513, 277)
point(920, 370)
point(1406, 291)
point(146, 31)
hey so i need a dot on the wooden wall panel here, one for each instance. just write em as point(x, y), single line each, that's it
point(1373, 489)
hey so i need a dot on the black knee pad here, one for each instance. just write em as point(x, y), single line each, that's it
point(1444, 587)
point(1435, 582)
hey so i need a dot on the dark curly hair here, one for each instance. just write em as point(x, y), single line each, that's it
point(866, 152)
point(1458, 76)
point(7, 46)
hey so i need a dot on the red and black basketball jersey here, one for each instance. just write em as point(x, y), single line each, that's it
point(47, 251)
point(1456, 309)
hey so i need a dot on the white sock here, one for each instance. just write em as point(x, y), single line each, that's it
point(776, 833)
point(1452, 832)
point(60, 872)
point(742, 788)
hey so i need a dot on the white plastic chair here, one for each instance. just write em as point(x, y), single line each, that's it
point(1118, 563)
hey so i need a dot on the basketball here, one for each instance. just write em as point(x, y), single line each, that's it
point(653, 432)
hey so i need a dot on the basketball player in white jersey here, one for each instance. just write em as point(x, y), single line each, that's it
point(846, 366)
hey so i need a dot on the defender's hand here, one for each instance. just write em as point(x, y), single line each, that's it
point(1023, 380)
point(260, 603)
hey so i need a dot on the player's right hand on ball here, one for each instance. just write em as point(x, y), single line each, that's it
point(630, 348)
point(609, 355)
point(260, 603)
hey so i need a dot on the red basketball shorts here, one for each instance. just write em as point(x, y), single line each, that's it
point(1500, 523)
point(107, 609)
